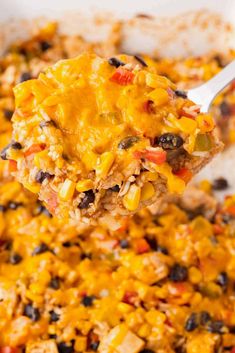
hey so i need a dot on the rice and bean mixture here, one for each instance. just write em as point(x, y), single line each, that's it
point(160, 283)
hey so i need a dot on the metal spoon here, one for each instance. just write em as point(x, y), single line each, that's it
point(204, 94)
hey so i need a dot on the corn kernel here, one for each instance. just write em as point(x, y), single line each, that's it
point(132, 199)
point(205, 185)
point(156, 81)
point(36, 288)
point(144, 331)
point(205, 122)
point(147, 192)
point(124, 308)
point(154, 317)
point(150, 176)
point(195, 275)
point(159, 96)
point(80, 344)
point(84, 185)
point(67, 190)
point(34, 188)
point(174, 183)
point(105, 163)
point(41, 158)
point(186, 125)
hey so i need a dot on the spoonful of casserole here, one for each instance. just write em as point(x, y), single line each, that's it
point(94, 136)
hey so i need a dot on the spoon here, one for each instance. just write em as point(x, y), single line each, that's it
point(204, 94)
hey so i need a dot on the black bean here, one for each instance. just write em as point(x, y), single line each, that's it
point(45, 45)
point(15, 258)
point(31, 312)
point(87, 199)
point(13, 144)
point(14, 205)
point(64, 348)
point(141, 60)
point(84, 256)
point(16, 145)
point(53, 336)
point(225, 109)
point(41, 176)
point(8, 114)
point(220, 184)
point(40, 249)
point(178, 273)
point(42, 209)
point(124, 244)
point(54, 316)
point(87, 300)
point(181, 94)
point(3, 153)
point(3, 208)
point(191, 323)
point(162, 249)
point(219, 60)
point(226, 218)
point(216, 326)
point(222, 279)
point(204, 318)
point(169, 141)
point(128, 142)
point(115, 188)
point(94, 345)
point(115, 62)
point(146, 350)
point(67, 244)
point(25, 76)
point(152, 243)
point(54, 283)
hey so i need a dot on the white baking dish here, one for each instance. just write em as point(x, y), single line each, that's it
point(181, 27)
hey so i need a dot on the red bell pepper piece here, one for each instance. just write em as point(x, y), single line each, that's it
point(12, 166)
point(141, 246)
point(184, 174)
point(35, 148)
point(156, 156)
point(8, 349)
point(122, 76)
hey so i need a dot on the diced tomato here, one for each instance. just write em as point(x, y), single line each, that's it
point(34, 149)
point(8, 349)
point(148, 107)
point(218, 229)
point(122, 76)
point(231, 210)
point(168, 322)
point(130, 297)
point(184, 174)
point(232, 350)
point(12, 166)
point(157, 156)
point(179, 288)
point(124, 225)
point(141, 246)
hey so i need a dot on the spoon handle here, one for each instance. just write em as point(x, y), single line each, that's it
point(204, 94)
